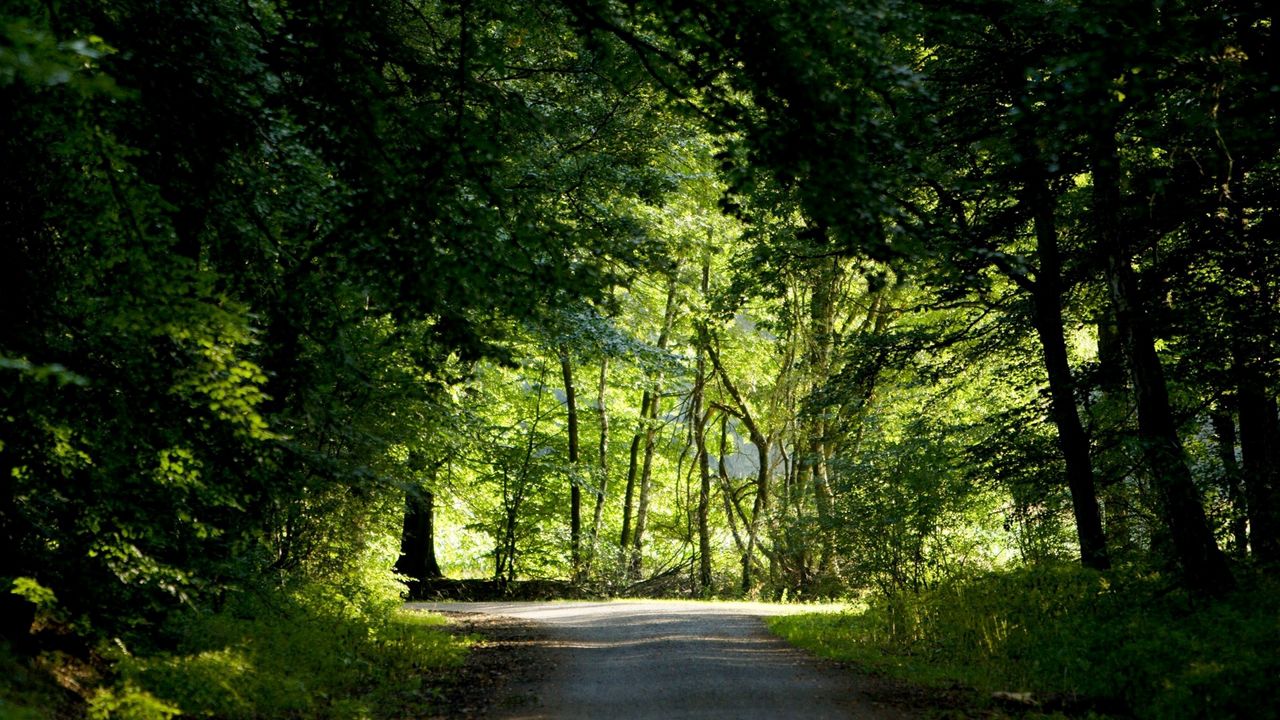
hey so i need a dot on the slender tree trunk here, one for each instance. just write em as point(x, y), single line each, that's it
point(646, 485)
point(761, 441)
point(1203, 564)
point(822, 309)
point(726, 485)
point(575, 489)
point(602, 491)
point(417, 540)
point(758, 507)
point(1225, 429)
point(704, 510)
point(1072, 440)
point(699, 420)
point(1252, 353)
point(1109, 410)
point(513, 492)
point(1259, 447)
point(646, 471)
point(633, 466)
point(507, 560)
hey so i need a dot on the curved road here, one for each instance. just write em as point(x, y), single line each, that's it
point(646, 659)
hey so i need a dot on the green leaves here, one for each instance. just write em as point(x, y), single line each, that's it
point(30, 54)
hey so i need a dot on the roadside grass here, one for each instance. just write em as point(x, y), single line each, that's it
point(1121, 642)
point(255, 662)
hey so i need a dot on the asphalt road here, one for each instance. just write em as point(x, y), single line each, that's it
point(640, 660)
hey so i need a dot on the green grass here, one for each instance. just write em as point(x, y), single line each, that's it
point(255, 663)
point(1120, 640)
point(300, 665)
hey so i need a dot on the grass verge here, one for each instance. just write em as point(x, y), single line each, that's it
point(246, 663)
point(1120, 642)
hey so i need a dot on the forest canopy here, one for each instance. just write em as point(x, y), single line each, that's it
point(700, 298)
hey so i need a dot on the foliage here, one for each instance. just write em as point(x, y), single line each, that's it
point(852, 296)
point(1119, 641)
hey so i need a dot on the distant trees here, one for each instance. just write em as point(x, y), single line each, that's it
point(1082, 155)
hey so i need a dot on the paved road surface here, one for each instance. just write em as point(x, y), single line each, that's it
point(641, 660)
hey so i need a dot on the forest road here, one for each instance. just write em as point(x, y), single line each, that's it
point(637, 660)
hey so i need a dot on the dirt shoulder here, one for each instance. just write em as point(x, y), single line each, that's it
point(503, 670)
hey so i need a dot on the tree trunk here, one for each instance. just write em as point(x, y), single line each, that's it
point(699, 420)
point(758, 438)
point(417, 541)
point(758, 507)
point(822, 309)
point(1203, 565)
point(575, 490)
point(646, 484)
point(1109, 410)
point(598, 514)
point(1259, 448)
point(704, 510)
point(646, 472)
point(1225, 430)
point(632, 467)
point(1072, 440)
point(726, 485)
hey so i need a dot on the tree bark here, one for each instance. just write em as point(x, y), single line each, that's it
point(575, 490)
point(633, 466)
point(1204, 566)
point(417, 559)
point(1260, 452)
point(1225, 430)
point(699, 420)
point(822, 326)
point(646, 471)
point(646, 485)
point(1072, 440)
point(601, 492)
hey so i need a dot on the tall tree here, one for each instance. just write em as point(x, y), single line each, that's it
point(575, 489)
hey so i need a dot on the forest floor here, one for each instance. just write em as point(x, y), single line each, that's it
point(657, 659)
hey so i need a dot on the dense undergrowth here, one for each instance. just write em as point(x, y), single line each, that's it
point(270, 656)
point(1121, 642)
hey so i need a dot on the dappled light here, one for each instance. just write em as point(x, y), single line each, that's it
point(963, 318)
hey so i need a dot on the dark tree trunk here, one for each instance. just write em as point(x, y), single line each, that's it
point(704, 509)
point(418, 540)
point(1072, 440)
point(601, 492)
point(1260, 452)
point(1225, 430)
point(758, 507)
point(1203, 565)
point(699, 420)
point(633, 466)
point(575, 490)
